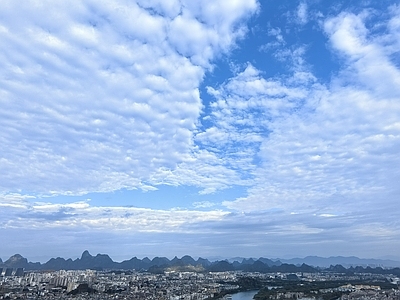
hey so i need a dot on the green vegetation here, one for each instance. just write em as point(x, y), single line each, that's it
point(326, 290)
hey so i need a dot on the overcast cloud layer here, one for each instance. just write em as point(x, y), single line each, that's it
point(102, 98)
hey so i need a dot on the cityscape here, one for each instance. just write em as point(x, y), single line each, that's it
point(185, 278)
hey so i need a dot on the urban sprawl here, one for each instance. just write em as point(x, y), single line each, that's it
point(173, 285)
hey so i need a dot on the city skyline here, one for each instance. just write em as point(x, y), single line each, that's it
point(209, 128)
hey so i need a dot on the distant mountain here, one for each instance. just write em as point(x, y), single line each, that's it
point(249, 261)
point(58, 264)
point(347, 262)
point(242, 260)
point(221, 266)
point(309, 264)
point(135, 263)
point(159, 261)
point(87, 261)
point(257, 266)
point(270, 262)
point(103, 261)
point(338, 269)
point(204, 262)
point(360, 269)
point(16, 261)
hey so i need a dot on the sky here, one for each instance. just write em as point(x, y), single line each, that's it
point(210, 128)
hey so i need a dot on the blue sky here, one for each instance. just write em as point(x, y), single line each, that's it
point(209, 128)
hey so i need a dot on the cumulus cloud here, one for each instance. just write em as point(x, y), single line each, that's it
point(324, 149)
point(100, 96)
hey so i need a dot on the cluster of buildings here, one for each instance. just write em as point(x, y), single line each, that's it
point(91, 284)
point(7, 272)
point(173, 285)
point(373, 295)
point(351, 293)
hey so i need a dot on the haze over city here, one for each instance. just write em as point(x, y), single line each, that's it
point(210, 128)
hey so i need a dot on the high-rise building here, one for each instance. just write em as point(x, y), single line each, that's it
point(19, 272)
point(8, 272)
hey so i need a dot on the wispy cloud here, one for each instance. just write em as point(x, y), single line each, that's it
point(81, 214)
point(302, 13)
point(203, 204)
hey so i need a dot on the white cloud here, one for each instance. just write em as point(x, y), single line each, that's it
point(203, 204)
point(79, 215)
point(302, 13)
point(368, 58)
point(180, 232)
point(327, 148)
point(278, 42)
point(101, 96)
point(14, 200)
point(205, 169)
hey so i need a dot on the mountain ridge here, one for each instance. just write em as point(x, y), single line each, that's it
point(103, 261)
point(346, 261)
